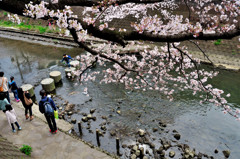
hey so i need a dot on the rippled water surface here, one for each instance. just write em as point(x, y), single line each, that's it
point(203, 127)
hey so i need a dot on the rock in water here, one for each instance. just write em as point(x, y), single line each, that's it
point(73, 121)
point(226, 153)
point(84, 119)
point(177, 136)
point(135, 148)
point(141, 132)
point(89, 116)
point(133, 156)
point(92, 111)
point(70, 113)
point(112, 133)
point(155, 129)
point(103, 128)
point(69, 107)
point(171, 154)
point(104, 117)
point(137, 153)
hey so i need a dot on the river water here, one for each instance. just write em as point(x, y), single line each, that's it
point(203, 127)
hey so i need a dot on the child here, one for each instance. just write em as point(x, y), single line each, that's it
point(11, 117)
point(14, 88)
point(67, 59)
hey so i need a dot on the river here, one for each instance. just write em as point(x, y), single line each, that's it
point(203, 127)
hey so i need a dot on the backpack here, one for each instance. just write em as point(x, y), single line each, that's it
point(48, 108)
point(1, 88)
point(27, 101)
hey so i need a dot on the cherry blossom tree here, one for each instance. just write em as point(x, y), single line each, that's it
point(167, 69)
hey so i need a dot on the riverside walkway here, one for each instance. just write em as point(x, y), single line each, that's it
point(44, 144)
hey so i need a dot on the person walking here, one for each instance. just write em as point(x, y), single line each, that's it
point(12, 117)
point(13, 87)
point(23, 96)
point(3, 85)
point(46, 107)
point(3, 101)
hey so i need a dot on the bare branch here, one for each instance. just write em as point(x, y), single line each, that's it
point(205, 55)
point(189, 11)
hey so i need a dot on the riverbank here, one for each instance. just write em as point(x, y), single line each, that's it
point(224, 54)
point(44, 144)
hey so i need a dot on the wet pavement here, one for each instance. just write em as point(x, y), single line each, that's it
point(44, 144)
point(10, 151)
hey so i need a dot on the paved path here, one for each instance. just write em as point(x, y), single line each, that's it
point(46, 145)
point(10, 151)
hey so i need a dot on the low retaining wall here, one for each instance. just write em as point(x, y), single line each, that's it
point(223, 56)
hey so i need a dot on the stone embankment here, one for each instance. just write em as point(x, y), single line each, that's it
point(55, 39)
point(224, 55)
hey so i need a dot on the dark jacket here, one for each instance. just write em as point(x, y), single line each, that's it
point(67, 58)
point(21, 97)
point(13, 85)
point(43, 100)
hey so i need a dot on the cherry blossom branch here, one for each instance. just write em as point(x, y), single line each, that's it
point(17, 6)
point(90, 3)
point(194, 62)
point(180, 62)
point(119, 2)
point(84, 46)
point(88, 67)
point(104, 34)
point(180, 37)
point(207, 90)
point(197, 69)
point(121, 37)
point(100, 14)
point(154, 71)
